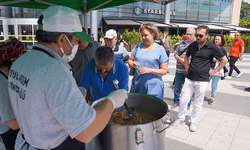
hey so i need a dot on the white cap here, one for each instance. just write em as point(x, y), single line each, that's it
point(110, 34)
point(63, 19)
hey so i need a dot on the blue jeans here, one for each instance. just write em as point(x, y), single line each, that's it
point(179, 79)
point(214, 85)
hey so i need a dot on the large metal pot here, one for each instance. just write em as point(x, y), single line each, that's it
point(149, 136)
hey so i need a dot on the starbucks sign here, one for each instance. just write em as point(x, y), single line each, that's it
point(138, 10)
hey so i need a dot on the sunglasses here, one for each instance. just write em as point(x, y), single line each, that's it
point(236, 35)
point(199, 35)
point(147, 25)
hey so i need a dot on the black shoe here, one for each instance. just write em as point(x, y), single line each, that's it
point(247, 89)
point(222, 78)
point(211, 101)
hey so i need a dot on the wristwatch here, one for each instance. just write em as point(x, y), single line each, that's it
point(153, 70)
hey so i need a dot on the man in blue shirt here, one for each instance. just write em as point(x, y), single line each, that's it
point(99, 72)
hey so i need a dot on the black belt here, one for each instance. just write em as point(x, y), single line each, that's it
point(42, 50)
point(3, 74)
point(68, 144)
point(9, 139)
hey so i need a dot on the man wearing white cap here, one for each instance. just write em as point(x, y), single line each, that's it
point(120, 51)
point(49, 107)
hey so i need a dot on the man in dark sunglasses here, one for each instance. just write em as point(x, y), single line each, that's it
point(202, 52)
point(235, 54)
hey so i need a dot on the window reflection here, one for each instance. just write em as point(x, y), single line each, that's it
point(185, 10)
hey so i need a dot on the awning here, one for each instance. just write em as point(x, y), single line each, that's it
point(183, 25)
point(218, 27)
point(121, 22)
point(158, 24)
point(210, 26)
point(178, 25)
point(238, 28)
point(132, 22)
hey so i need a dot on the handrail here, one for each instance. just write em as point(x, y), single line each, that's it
point(24, 41)
point(19, 35)
point(27, 41)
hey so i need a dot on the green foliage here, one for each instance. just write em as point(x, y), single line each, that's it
point(132, 37)
point(161, 34)
point(210, 38)
point(170, 41)
point(174, 39)
point(118, 37)
point(245, 10)
point(244, 22)
point(246, 40)
point(228, 40)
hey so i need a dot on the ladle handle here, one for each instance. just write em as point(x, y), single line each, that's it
point(126, 106)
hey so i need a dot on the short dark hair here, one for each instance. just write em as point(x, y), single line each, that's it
point(166, 29)
point(222, 39)
point(203, 27)
point(51, 37)
point(83, 29)
point(40, 20)
point(104, 55)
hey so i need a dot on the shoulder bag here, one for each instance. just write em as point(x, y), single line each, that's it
point(220, 72)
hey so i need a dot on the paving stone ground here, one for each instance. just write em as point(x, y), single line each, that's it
point(225, 125)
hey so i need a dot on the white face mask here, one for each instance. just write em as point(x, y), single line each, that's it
point(71, 56)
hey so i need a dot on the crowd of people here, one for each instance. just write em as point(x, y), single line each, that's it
point(48, 92)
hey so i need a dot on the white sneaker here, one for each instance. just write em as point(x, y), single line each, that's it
point(178, 122)
point(193, 127)
point(239, 74)
point(228, 77)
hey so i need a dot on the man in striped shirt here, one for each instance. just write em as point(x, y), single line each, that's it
point(181, 72)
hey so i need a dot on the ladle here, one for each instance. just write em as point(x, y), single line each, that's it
point(131, 111)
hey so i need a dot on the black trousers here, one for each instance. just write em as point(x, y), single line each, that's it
point(68, 144)
point(168, 53)
point(9, 139)
point(232, 66)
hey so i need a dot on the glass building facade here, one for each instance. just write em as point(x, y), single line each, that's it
point(22, 22)
point(212, 11)
point(15, 12)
